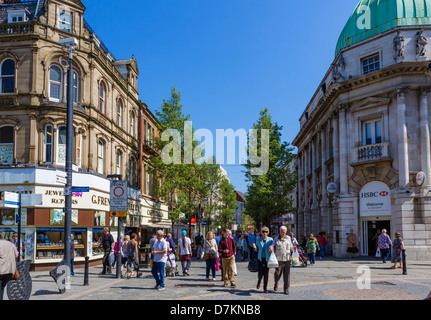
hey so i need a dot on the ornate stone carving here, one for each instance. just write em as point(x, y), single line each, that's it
point(421, 43)
point(338, 70)
point(399, 46)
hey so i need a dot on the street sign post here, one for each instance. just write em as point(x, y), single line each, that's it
point(80, 189)
point(118, 208)
point(11, 200)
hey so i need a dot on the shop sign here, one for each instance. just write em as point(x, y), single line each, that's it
point(375, 199)
point(332, 187)
point(420, 178)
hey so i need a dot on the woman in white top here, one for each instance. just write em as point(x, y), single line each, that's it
point(185, 245)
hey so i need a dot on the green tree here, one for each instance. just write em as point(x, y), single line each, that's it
point(268, 192)
point(227, 203)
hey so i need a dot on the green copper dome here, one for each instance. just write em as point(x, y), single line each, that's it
point(372, 17)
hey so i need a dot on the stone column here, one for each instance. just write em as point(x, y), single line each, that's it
point(425, 136)
point(336, 156)
point(324, 203)
point(403, 160)
point(343, 150)
point(314, 206)
point(306, 187)
point(299, 224)
point(33, 139)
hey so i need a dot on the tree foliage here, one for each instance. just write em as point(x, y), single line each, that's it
point(268, 193)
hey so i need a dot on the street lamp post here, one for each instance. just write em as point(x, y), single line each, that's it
point(69, 44)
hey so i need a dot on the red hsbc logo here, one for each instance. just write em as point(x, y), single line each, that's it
point(384, 193)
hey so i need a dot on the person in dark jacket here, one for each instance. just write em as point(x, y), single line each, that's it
point(227, 251)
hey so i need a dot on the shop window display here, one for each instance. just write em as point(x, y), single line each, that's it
point(97, 240)
point(50, 243)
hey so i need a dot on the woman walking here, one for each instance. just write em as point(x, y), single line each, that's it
point(132, 256)
point(312, 247)
point(384, 243)
point(124, 253)
point(262, 247)
point(185, 245)
point(210, 256)
point(398, 246)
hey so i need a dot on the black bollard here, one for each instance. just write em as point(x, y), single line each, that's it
point(403, 255)
point(86, 272)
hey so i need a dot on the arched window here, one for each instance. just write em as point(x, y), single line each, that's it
point(48, 143)
point(6, 144)
point(102, 97)
point(61, 146)
point(132, 124)
point(7, 84)
point(55, 83)
point(75, 86)
point(100, 156)
point(119, 114)
point(119, 161)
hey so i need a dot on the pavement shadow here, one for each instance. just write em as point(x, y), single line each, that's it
point(45, 292)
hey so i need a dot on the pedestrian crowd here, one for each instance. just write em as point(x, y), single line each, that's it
point(219, 252)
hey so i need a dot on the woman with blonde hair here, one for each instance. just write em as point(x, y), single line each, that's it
point(397, 246)
point(209, 254)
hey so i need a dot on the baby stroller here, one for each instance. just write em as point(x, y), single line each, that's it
point(298, 258)
point(171, 266)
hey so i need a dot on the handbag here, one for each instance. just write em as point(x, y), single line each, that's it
point(205, 256)
point(16, 275)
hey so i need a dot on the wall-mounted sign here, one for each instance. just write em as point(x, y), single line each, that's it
point(375, 199)
point(420, 178)
point(332, 187)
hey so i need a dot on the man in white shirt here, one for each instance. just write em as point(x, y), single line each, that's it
point(159, 253)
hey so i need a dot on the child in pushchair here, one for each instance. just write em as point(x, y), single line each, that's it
point(298, 257)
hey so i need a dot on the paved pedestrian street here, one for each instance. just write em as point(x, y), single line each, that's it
point(329, 279)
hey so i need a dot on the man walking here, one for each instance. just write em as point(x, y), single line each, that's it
point(107, 242)
point(159, 252)
point(283, 248)
point(251, 239)
point(227, 250)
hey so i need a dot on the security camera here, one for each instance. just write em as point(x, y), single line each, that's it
point(69, 42)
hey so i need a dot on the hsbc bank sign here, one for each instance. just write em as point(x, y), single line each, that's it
point(375, 200)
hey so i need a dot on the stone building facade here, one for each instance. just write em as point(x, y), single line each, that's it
point(110, 123)
point(364, 139)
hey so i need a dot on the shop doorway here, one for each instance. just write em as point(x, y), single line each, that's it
point(371, 228)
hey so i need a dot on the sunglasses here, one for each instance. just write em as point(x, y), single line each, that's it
point(264, 231)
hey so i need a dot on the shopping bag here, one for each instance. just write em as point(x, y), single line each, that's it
point(378, 253)
point(217, 266)
point(295, 257)
point(272, 262)
point(111, 258)
point(235, 272)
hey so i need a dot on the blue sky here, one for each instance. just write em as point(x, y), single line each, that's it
point(228, 58)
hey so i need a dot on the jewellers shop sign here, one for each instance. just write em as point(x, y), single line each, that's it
point(375, 200)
